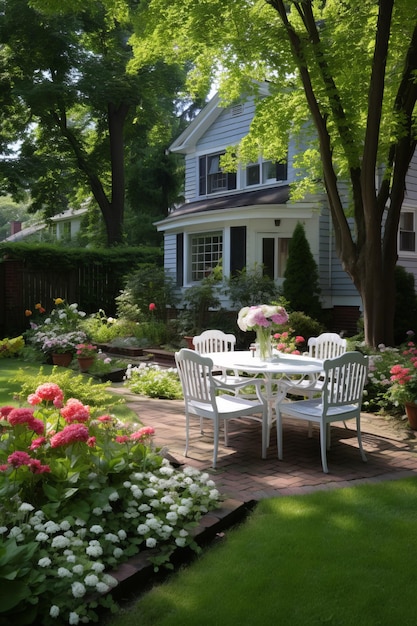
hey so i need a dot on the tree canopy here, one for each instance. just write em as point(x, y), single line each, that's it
point(343, 77)
point(78, 114)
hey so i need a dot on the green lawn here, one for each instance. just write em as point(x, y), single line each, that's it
point(344, 557)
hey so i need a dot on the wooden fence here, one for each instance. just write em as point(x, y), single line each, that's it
point(92, 287)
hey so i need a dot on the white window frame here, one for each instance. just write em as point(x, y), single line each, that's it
point(205, 252)
point(407, 233)
point(263, 168)
point(280, 252)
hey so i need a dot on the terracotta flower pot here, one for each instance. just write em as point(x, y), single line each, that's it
point(85, 362)
point(62, 359)
point(411, 411)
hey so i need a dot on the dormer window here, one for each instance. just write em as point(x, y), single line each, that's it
point(265, 172)
point(212, 179)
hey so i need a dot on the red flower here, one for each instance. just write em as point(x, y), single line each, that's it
point(105, 419)
point(146, 431)
point(36, 467)
point(152, 306)
point(70, 434)
point(20, 416)
point(75, 411)
point(19, 458)
point(5, 410)
point(91, 442)
point(50, 392)
point(37, 426)
point(37, 443)
point(122, 438)
point(33, 399)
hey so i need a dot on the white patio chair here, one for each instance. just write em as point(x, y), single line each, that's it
point(325, 346)
point(217, 341)
point(202, 398)
point(340, 400)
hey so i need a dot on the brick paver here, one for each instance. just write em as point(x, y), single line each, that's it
point(241, 474)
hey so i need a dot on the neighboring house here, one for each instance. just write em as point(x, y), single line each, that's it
point(246, 217)
point(63, 226)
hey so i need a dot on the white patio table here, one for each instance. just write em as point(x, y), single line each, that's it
point(280, 367)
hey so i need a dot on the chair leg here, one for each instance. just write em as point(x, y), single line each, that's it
point(187, 425)
point(216, 443)
point(279, 433)
point(323, 447)
point(359, 435)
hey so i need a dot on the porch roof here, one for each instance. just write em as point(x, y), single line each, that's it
point(271, 195)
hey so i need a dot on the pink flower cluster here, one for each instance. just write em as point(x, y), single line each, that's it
point(400, 374)
point(19, 458)
point(140, 435)
point(72, 433)
point(22, 416)
point(75, 411)
point(48, 392)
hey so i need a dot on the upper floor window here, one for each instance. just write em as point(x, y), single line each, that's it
point(206, 254)
point(407, 232)
point(212, 178)
point(265, 171)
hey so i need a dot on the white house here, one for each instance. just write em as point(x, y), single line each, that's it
point(63, 226)
point(246, 217)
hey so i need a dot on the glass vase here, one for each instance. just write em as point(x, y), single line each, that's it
point(263, 343)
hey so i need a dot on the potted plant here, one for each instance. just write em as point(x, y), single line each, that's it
point(403, 390)
point(108, 369)
point(86, 355)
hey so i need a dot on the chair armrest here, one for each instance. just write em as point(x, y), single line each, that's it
point(233, 387)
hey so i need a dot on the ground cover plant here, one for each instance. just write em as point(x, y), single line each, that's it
point(344, 557)
point(80, 492)
point(154, 381)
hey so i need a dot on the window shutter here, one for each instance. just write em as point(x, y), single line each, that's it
point(180, 260)
point(202, 164)
point(237, 249)
point(282, 170)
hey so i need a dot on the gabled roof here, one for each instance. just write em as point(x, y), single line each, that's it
point(186, 142)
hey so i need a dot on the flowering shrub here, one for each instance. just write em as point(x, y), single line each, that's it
point(153, 381)
point(52, 341)
point(404, 376)
point(288, 343)
point(11, 347)
point(59, 331)
point(80, 493)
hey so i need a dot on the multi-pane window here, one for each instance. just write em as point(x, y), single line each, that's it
point(265, 171)
point(407, 234)
point(212, 179)
point(206, 254)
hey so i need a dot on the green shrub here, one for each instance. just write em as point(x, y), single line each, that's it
point(154, 382)
point(251, 286)
point(11, 347)
point(147, 285)
point(73, 385)
point(304, 325)
point(301, 277)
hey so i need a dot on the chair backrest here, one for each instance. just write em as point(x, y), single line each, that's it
point(345, 378)
point(326, 346)
point(214, 341)
point(195, 375)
